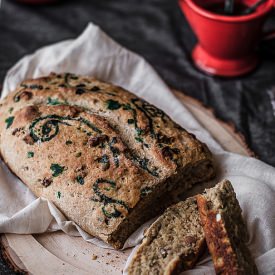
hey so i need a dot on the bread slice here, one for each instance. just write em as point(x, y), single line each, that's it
point(173, 242)
point(225, 231)
point(104, 156)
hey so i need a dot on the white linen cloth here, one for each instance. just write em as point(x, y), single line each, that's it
point(94, 53)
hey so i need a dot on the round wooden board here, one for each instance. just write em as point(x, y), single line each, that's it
point(58, 253)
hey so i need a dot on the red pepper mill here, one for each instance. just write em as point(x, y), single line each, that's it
point(227, 43)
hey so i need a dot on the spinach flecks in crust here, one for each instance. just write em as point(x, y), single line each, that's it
point(108, 201)
point(58, 194)
point(46, 128)
point(143, 163)
point(30, 154)
point(105, 161)
point(115, 151)
point(55, 101)
point(138, 139)
point(68, 142)
point(9, 121)
point(113, 104)
point(80, 180)
point(149, 111)
point(100, 140)
point(35, 86)
point(133, 120)
point(57, 169)
point(10, 110)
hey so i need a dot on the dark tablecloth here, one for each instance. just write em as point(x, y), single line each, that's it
point(157, 30)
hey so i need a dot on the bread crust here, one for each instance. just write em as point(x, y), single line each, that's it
point(139, 153)
point(229, 253)
point(142, 125)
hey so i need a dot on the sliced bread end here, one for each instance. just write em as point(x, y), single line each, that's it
point(225, 231)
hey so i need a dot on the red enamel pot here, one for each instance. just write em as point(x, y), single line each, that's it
point(227, 45)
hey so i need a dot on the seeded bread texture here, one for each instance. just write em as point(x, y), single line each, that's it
point(104, 156)
point(225, 231)
point(172, 244)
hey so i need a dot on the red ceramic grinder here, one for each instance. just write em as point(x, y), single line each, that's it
point(227, 45)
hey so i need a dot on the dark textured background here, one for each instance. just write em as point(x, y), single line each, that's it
point(157, 30)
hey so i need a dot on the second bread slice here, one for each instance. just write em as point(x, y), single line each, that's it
point(225, 231)
point(173, 243)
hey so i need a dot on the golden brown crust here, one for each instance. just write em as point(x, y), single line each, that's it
point(217, 240)
point(146, 128)
point(48, 124)
point(228, 250)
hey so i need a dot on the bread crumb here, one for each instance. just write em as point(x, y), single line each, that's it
point(94, 257)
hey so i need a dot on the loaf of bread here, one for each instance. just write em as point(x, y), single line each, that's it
point(172, 244)
point(103, 156)
point(225, 231)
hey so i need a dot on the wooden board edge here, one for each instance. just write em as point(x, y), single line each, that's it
point(12, 261)
point(227, 125)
